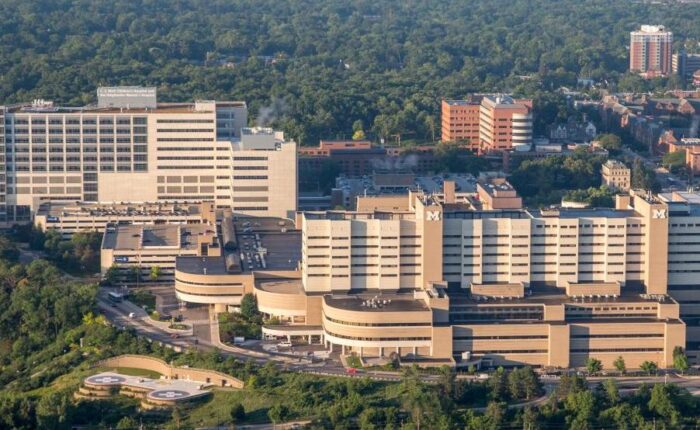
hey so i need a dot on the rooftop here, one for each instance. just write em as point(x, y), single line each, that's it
point(286, 286)
point(615, 164)
point(651, 29)
point(463, 102)
point(581, 213)
point(87, 209)
point(201, 265)
point(134, 237)
point(377, 302)
point(549, 295)
point(261, 244)
point(188, 107)
point(123, 99)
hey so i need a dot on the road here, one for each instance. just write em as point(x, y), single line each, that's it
point(119, 316)
point(668, 180)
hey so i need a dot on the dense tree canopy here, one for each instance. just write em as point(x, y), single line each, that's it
point(323, 65)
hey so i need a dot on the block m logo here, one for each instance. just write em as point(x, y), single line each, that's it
point(659, 214)
point(433, 215)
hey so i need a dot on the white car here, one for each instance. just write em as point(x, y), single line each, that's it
point(132, 315)
point(285, 344)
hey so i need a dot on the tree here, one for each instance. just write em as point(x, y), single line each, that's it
point(54, 410)
point(358, 135)
point(619, 364)
point(498, 383)
point(649, 367)
point(112, 274)
point(523, 383)
point(643, 177)
point(135, 273)
point(610, 142)
point(237, 413)
point(155, 273)
point(661, 403)
point(278, 413)
point(447, 382)
point(495, 414)
point(623, 416)
point(249, 307)
point(680, 360)
point(593, 365)
point(611, 391)
point(127, 423)
point(177, 416)
point(8, 250)
point(674, 161)
point(595, 197)
point(358, 125)
point(531, 419)
point(581, 408)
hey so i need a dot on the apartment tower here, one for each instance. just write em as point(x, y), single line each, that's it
point(650, 51)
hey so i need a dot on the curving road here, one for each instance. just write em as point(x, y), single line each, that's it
point(205, 337)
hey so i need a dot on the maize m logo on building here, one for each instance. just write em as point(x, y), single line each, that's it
point(659, 214)
point(432, 215)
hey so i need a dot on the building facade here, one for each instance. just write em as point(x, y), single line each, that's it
point(691, 147)
point(616, 175)
point(69, 218)
point(488, 123)
point(444, 282)
point(684, 64)
point(650, 51)
point(127, 148)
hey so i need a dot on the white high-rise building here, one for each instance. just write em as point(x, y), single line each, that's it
point(129, 147)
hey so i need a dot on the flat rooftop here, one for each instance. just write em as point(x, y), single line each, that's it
point(285, 286)
point(547, 295)
point(189, 107)
point(472, 102)
point(399, 183)
point(135, 237)
point(201, 265)
point(582, 213)
point(275, 238)
point(86, 209)
point(261, 244)
point(377, 302)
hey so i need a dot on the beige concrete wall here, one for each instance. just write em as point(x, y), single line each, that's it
point(172, 372)
point(212, 289)
point(656, 244)
point(281, 304)
point(430, 219)
point(442, 342)
point(368, 316)
point(558, 345)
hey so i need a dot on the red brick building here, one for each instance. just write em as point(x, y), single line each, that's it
point(650, 51)
point(488, 123)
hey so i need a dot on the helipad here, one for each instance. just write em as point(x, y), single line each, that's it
point(163, 390)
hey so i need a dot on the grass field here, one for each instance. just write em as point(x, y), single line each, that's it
point(216, 411)
point(131, 371)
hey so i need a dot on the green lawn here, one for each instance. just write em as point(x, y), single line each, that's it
point(216, 410)
point(354, 361)
point(136, 372)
